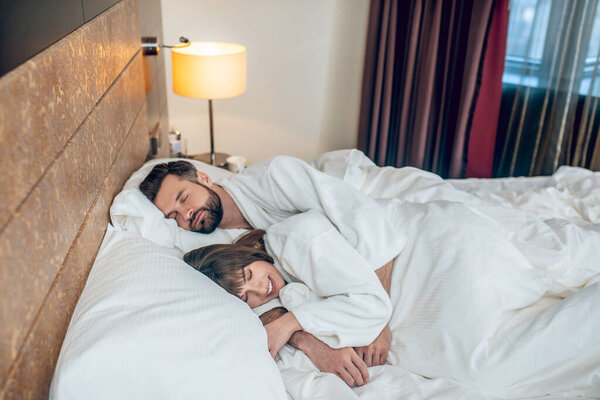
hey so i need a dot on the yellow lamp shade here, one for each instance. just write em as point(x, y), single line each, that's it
point(209, 70)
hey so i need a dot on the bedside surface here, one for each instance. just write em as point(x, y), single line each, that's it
point(220, 158)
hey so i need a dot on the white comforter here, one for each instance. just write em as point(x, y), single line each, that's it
point(495, 293)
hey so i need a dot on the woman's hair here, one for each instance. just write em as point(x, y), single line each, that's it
point(225, 263)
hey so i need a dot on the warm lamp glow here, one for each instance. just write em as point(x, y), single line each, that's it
point(209, 70)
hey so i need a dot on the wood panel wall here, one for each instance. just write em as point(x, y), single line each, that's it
point(72, 132)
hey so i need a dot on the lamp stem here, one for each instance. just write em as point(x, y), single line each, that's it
point(212, 139)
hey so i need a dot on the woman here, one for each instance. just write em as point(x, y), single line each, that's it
point(246, 270)
point(477, 296)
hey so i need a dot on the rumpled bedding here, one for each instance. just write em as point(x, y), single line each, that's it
point(495, 294)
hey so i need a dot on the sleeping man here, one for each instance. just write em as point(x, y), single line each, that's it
point(271, 192)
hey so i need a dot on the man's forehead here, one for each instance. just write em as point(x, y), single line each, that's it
point(169, 188)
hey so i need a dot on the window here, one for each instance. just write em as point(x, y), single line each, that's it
point(536, 29)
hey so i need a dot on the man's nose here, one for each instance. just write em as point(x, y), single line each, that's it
point(187, 212)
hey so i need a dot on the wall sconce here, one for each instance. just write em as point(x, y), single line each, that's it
point(150, 46)
point(205, 70)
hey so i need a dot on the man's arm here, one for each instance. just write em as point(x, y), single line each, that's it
point(345, 362)
point(385, 275)
point(376, 352)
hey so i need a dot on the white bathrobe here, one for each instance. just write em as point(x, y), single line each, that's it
point(276, 189)
point(346, 304)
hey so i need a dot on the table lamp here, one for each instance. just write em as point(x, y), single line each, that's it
point(209, 70)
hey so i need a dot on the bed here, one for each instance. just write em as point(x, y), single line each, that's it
point(146, 317)
point(99, 305)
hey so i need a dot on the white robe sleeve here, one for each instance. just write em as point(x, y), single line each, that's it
point(349, 306)
point(276, 189)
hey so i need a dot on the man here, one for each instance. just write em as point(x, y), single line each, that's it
point(268, 193)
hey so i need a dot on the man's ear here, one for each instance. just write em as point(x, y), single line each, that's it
point(204, 179)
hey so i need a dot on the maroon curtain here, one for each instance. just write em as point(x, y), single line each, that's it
point(482, 137)
point(422, 63)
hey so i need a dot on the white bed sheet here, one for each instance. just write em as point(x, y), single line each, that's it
point(498, 278)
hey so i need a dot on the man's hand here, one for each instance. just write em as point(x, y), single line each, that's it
point(345, 363)
point(376, 352)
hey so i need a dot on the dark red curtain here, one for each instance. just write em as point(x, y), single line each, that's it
point(482, 137)
point(422, 64)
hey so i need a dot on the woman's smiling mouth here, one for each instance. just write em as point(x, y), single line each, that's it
point(270, 286)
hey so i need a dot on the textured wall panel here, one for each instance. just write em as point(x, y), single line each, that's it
point(72, 129)
point(47, 103)
point(114, 38)
point(36, 240)
point(31, 374)
point(45, 99)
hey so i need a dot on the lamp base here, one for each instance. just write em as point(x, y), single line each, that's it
point(220, 158)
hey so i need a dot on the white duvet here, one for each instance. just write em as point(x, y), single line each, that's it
point(495, 294)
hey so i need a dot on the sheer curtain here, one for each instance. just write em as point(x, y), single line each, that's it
point(550, 114)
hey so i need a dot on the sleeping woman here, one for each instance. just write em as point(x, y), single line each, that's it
point(245, 269)
point(505, 313)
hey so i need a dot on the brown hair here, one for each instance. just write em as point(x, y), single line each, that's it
point(151, 184)
point(224, 263)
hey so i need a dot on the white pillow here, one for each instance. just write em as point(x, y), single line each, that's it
point(147, 326)
point(133, 212)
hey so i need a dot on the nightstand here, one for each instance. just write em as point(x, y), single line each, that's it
point(220, 158)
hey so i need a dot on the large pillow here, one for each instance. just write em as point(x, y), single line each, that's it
point(133, 212)
point(147, 326)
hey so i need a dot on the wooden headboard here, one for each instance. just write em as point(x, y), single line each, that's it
point(72, 130)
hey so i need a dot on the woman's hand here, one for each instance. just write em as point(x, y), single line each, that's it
point(280, 331)
point(376, 352)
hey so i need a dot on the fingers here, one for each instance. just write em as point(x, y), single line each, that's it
point(274, 348)
point(362, 369)
point(366, 354)
point(360, 351)
point(370, 356)
point(356, 375)
point(346, 377)
point(352, 370)
point(383, 358)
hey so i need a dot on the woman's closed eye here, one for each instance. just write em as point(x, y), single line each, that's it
point(247, 276)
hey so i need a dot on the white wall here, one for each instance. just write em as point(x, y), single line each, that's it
point(305, 61)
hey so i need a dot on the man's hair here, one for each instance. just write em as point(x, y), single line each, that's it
point(182, 169)
point(224, 263)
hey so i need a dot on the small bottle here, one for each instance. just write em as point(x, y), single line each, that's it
point(175, 143)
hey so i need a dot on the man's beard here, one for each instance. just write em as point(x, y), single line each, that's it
point(213, 214)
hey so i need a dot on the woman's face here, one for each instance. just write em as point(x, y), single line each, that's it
point(262, 282)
